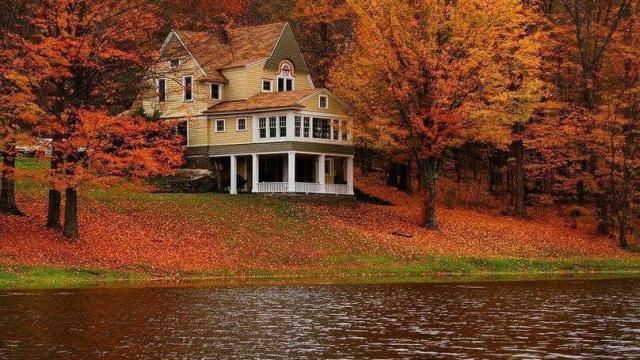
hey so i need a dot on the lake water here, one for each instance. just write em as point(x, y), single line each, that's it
point(546, 319)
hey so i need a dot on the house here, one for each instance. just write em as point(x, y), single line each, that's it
point(253, 111)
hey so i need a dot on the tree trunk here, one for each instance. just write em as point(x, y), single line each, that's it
point(403, 178)
point(409, 188)
point(8, 187)
point(623, 235)
point(392, 175)
point(604, 218)
point(55, 199)
point(71, 214)
point(519, 191)
point(429, 219)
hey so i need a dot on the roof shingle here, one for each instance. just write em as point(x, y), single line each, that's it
point(262, 101)
point(246, 45)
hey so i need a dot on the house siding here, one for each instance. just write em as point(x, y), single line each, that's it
point(276, 147)
point(335, 107)
point(230, 135)
point(175, 106)
point(198, 130)
point(287, 48)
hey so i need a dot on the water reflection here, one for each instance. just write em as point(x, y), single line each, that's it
point(583, 319)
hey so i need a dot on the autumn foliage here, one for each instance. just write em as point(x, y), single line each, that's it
point(534, 105)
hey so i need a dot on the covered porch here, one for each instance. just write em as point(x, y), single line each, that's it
point(291, 172)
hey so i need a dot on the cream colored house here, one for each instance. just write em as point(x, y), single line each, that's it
point(253, 112)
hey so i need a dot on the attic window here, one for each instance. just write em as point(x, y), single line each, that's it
point(285, 70)
point(285, 78)
point(323, 102)
point(174, 63)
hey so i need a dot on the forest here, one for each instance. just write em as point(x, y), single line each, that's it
point(535, 101)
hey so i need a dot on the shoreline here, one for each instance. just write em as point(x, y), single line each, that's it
point(16, 277)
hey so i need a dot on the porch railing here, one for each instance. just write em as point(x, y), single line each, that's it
point(303, 188)
point(340, 189)
point(307, 188)
point(272, 187)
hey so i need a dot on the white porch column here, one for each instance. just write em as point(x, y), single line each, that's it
point(234, 176)
point(350, 174)
point(291, 174)
point(321, 175)
point(255, 172)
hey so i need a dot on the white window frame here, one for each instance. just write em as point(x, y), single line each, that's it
point(224, 125)
point(238, 123)
point(285, 78)
point(270, 85)
point(184, 88)
point(326, 103)
point(219, 98)
point(165, 90)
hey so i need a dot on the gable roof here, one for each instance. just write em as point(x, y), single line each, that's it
point(265, 101)
point(247, 45)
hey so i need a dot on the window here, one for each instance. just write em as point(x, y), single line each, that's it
point(174, 63)
point(321, 128)
point(336, 129)
point(343, 127)
point(273, 130)
point(220, 125)
point(283, 126)
point(307, 126)
point(323, 102)
point(285, 78)
point(162, 90)
point(267, 85)
point(241, 124)
point(262, 125)
point(297, 124)
point(187, 83)
point(215, 92)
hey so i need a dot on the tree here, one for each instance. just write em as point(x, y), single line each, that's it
point(431, 73)
point(587, 32)
point(88, 52)
point(17, 114)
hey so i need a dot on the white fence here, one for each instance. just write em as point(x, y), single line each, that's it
point(303, 188)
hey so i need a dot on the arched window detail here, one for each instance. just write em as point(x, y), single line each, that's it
point(285, 77)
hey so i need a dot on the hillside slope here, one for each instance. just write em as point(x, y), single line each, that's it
point(139, 231)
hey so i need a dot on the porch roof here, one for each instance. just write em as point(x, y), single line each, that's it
point(264, 101)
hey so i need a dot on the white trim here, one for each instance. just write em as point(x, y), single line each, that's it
point(184, 89)
point(272, 153)
point(224, 127)
point(219, 98)
point(326, 103)
point(238, 123)
point(270, 85)
point(328, 92)
point(166, 42)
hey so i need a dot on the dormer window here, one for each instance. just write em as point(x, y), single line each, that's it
point(174, 63)
point(285, 78)
point(216, 93)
